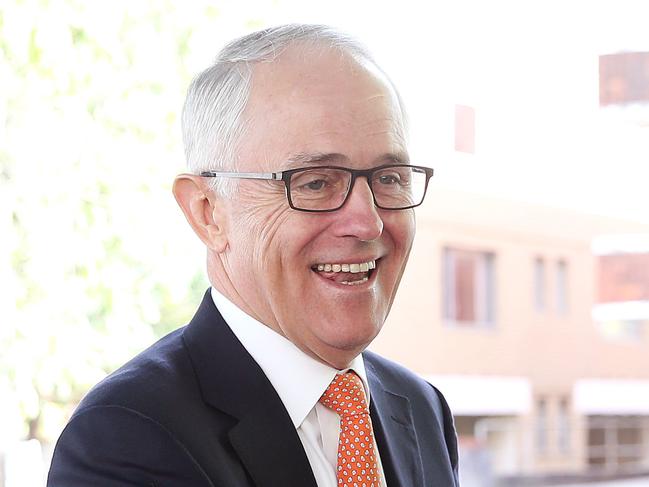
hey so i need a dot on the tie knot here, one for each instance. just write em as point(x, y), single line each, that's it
point(345, 395)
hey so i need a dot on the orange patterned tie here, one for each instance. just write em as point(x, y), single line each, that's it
point(357, 465)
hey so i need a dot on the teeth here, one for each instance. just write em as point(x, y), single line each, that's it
point(355, 283)
point(353, 268)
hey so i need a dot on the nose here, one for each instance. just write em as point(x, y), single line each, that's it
point(359, 217)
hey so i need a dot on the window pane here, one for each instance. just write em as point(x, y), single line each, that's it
point(448, 284)
point(539, 284)
point(563, 430)
point(596, 436)
point(623, 277)
point(541, 425)
point(489, 289)
point(629, 436)
point(562, 286)
point(469, 289)
point(623, 78)
point(465, 281)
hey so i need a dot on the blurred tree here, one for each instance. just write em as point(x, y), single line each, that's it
point(95, 260)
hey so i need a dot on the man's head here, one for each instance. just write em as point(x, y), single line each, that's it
point(286, 98)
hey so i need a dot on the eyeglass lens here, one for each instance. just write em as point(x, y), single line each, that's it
point(394, 187)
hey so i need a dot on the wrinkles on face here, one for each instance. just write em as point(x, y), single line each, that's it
point(387, 127)
point(297, 117)
point(259, 210)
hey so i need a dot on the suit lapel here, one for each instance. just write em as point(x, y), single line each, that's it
point(395, 435)
point(231, 381)
point(270, 455)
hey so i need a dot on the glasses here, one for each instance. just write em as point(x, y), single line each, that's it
point(326, 188)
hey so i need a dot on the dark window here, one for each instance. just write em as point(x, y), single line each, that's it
point(563, 426)
point(541, 425)
point(468, 286)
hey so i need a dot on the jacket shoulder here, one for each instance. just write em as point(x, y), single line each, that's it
point(158, 377)
point(113, 445)
point(395, 376)
point(424, 397)
point(139, 425)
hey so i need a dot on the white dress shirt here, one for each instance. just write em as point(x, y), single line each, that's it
point(286, 366)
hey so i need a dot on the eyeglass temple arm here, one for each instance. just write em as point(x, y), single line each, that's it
point(274, 176)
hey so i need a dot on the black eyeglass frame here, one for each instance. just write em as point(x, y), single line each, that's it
point(285, 176)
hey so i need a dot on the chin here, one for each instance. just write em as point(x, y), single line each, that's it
point(353, 337)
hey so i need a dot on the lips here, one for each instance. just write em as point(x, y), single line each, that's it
point(350, 274)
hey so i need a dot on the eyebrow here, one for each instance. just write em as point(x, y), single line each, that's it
point(302, 158)
point(325, 158)
point(400, 157)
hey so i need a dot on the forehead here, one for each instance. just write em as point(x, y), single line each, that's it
point(320, 100)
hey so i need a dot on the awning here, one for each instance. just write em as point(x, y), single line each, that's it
point(624, 311)
point(475, 395)
point(611, 396)
point(620, 244)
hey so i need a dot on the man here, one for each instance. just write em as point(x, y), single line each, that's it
point(302, 192)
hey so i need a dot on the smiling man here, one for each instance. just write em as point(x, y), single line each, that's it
point(301, 189)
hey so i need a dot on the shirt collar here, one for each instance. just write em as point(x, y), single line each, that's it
point(298, 378)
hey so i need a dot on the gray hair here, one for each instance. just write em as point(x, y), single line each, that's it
point(212, 122)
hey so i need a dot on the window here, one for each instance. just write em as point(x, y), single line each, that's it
point(464, 129)
point(563, 426)
point(468, 287)
point(624, 78)
point(562, 287)
point(541, 425)
point(539, 284)
point(615, 442)
point(623, 277)
point(622, 308)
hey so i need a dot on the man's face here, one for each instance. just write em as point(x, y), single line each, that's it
point(308, 109)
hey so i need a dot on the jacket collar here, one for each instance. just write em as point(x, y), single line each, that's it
point(394, 431)
point(231, 381)
point(264, 436)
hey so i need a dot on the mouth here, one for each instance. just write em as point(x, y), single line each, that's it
point(348, 274)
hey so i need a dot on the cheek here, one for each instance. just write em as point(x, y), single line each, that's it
point(401, 228)
point(259, 232)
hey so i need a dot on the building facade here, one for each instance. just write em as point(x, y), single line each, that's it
point(534, 325)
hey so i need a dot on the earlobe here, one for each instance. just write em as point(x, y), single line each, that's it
point(203, 210)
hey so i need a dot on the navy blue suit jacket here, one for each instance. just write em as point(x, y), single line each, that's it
point(196, 410)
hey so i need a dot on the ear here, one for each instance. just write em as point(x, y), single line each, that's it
point(203, 209)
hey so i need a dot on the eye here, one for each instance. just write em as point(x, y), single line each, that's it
point(389, 179)
point(315, 185)
point(313, 181)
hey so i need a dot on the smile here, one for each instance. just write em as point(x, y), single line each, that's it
point(348, 274)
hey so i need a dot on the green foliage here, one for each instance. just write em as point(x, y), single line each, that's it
point(96, 261)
